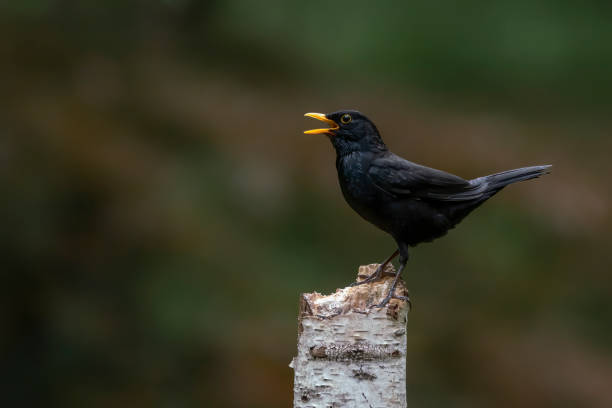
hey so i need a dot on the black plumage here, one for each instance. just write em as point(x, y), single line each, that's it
point(411, 202)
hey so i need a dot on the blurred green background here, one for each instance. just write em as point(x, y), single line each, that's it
point(162, 211)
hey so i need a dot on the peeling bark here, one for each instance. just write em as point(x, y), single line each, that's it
point(350, 354)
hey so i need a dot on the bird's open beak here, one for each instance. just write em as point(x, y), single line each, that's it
point(322, 118)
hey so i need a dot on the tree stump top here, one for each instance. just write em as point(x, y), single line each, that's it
point(355, 299)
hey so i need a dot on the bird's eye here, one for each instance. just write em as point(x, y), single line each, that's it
point(346, 119)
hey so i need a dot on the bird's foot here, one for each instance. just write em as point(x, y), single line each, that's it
point(384, 302)
point(390, 296)
point(368, 278)
point(376, 275)
point(405, 299)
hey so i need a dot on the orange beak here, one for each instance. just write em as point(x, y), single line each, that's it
point(322, 118)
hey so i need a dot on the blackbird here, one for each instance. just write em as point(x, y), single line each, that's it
point(411, 202)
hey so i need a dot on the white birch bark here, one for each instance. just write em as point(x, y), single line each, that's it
point(351, 355)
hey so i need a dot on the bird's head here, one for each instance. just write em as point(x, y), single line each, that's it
point(349, 131)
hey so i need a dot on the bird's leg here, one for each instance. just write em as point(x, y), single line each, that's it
point(391, 294)
point(378, 273)
point(392, 290)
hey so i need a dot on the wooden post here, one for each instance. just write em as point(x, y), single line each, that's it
point(349, 354)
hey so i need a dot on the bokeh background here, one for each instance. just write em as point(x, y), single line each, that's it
point(162, 211)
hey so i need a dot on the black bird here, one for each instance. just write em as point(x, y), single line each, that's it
point(411, 202)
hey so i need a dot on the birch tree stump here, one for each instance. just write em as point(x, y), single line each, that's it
point(349, 354)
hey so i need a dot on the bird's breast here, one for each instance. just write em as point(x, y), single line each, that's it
point(353, 177)
point(358, 190)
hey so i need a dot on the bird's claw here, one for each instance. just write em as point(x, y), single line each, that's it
point(405, 299)
point(383, 303)
point(390, 296)
point(377, 274)
point(368, 280)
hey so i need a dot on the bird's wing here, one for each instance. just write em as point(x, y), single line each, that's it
point(400, 177)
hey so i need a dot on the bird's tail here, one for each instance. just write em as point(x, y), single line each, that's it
point(497, 181)
point(482, 188)
point(485, 187)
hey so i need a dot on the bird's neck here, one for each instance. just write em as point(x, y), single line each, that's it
point(356, 160)
point(370, 152)
point(372, 146)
